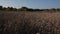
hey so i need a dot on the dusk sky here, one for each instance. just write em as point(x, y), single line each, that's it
point(42, 4)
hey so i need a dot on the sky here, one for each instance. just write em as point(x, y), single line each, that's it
point(41, 4)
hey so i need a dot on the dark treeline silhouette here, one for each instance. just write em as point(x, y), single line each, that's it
point(26, 9)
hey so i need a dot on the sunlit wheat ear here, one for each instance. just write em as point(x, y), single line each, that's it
point(37, 33)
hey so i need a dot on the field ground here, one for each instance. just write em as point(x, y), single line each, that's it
point(29, 22)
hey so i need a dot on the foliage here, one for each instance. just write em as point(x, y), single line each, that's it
point(58, 9)
point(1, 7)
point(27, 9)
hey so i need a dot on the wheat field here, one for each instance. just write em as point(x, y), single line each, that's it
point(29, 22)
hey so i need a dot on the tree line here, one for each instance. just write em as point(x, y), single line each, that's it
point(26, 9)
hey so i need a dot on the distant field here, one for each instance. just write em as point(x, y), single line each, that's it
point(29, 22)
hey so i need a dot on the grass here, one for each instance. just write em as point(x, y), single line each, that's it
point(29, 22)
